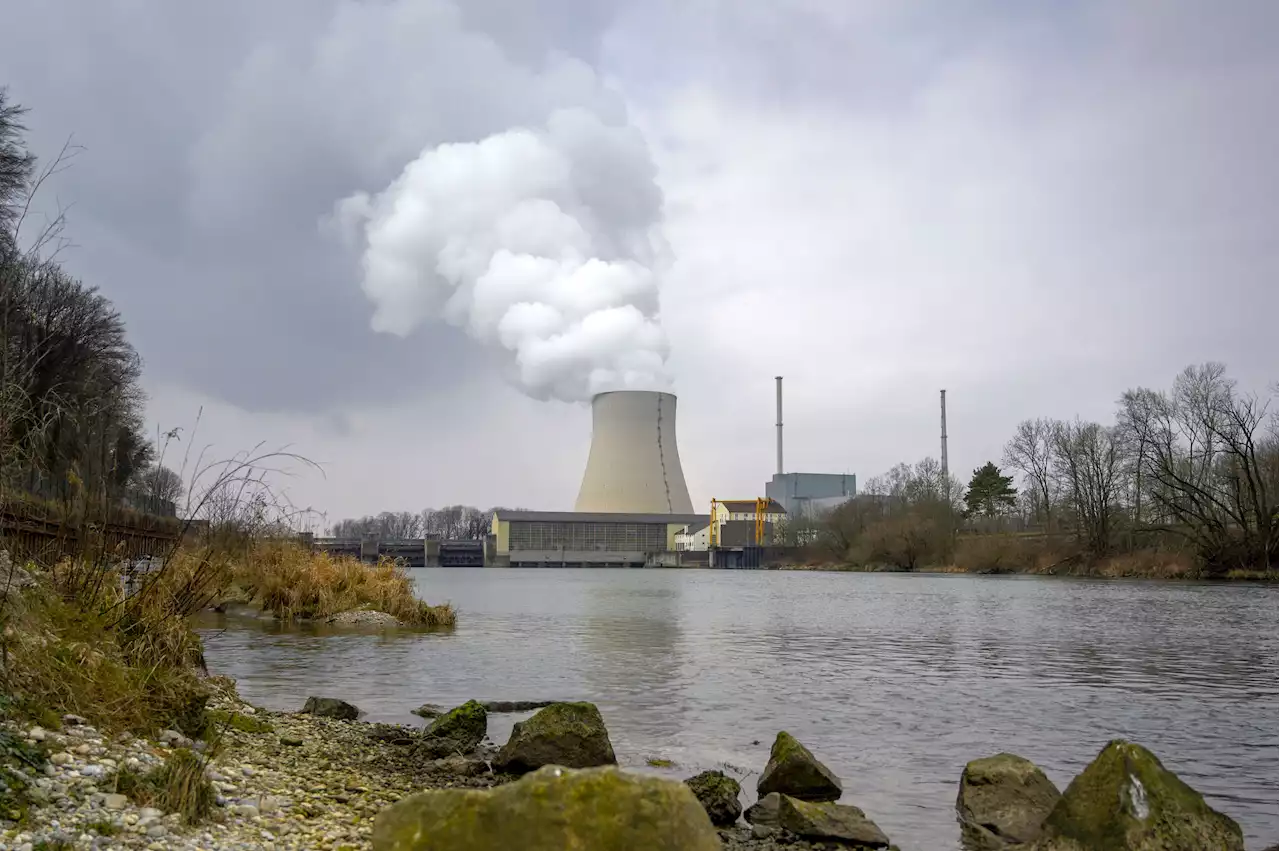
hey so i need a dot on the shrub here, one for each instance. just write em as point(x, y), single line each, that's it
point(996, 554)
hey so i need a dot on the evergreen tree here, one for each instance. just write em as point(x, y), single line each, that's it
point(990, 492)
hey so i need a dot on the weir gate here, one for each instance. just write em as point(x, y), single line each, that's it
point(414, 552)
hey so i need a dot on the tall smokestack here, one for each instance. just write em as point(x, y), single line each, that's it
point(779, 380)
point(946, 478)
point(634, 465)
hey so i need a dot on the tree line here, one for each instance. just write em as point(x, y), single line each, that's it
point(1193, 468)
point(71, 403)
point(451, 523)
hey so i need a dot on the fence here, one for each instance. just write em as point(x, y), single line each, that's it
point(30, 536)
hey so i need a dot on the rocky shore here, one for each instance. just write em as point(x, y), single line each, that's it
point(321, 779)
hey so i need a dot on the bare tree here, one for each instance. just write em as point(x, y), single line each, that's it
point(1209, 465)
point(1089, 461)
point(1030, 451)
point(162, 483)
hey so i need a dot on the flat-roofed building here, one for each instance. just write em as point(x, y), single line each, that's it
point(584, 539)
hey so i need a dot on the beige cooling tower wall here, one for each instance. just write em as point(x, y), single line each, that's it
point(634, 466)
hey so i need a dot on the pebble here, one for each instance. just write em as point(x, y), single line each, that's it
point(115, 801)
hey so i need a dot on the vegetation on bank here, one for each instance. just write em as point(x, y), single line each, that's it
point(294, 582)
point(1184, 484)
point(78, 634)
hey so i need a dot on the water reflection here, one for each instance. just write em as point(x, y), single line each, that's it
point(896, 681)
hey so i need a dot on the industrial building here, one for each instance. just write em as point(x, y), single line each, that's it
point(810, 494)
point(585, 539)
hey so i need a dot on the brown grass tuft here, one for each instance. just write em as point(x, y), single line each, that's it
point(292, 582)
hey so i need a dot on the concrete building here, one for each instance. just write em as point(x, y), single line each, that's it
point(634, 465)
point(584, 539)
point(696, 537)
point(809, 494)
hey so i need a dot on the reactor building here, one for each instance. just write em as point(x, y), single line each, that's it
point(633, 500)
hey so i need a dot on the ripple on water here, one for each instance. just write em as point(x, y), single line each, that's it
point(895, 681)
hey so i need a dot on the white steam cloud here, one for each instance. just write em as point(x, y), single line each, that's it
point(543, 241)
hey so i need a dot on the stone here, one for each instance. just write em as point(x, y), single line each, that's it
point(1125, 800)
point(61, 758)
point(331, 707)
point(291, 741)
point(1003, 799)
point(428, 710)
point(762, 831)
point(764, 812)
point(604, 809)
point(458, 731)
point(718, 795)
point(572, 735)
point(37, 734)
point(793, 770)
point(363, 617)
point(822, 821)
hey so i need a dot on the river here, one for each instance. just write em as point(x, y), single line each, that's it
point(893, 680)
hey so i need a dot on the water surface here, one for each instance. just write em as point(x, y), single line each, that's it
point(894, 680)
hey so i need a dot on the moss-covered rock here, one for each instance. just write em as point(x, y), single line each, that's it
point(572, 735)
point(458, 731)
point(1125, 800)
point(718, 795)
point(793, 771)
point(331, 707)
point(1002, 799)
point(823, 821)
point(604, 809)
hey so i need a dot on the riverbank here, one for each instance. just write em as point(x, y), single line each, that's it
point(1146, 564)
point(278, 782)
point(297, 781)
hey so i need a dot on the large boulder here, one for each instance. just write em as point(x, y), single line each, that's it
point(824, 821)
point(718, 794)
point(572, 735)
point(793, 771)
point(331, 707)
point(604, 809)
point(1125, 800)
point(458, 731)
point(1002, 799)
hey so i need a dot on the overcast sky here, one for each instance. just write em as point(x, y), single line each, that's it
point(1032, 205)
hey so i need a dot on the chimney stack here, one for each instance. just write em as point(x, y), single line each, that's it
point(779, 380)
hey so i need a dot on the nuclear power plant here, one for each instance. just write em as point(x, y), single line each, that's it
point(633, 500)
point(633, 507)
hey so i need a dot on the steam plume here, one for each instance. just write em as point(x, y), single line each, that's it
point(543, 241)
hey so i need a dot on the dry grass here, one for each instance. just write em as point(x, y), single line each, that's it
point(292, 582)
point(77, 648)
point(180, 785)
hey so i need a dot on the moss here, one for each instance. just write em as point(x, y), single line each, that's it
point(220, 719)
point(604, 809)
point(1125, 800)
point(103, 828)
point(470, 720)
point(659, 762)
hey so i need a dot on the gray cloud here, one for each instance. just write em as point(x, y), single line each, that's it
point(1033, 205)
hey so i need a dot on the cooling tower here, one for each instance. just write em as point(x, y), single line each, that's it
point(634, 466)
